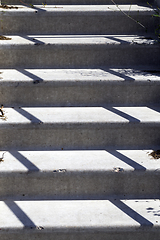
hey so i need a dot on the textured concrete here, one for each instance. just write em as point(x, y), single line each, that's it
point(79, 128)
point(85, 174)
point(71, 87)
point(77, 19)
point(77, 125)
point(80, 219)
point(37, 51)
point(75, 2)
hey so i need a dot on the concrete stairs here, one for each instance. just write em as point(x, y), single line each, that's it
point(80, 89)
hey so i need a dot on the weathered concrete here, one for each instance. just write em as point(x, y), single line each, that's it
point(80, 128)
point(84, 174)
point(102, 184)
point(111, 219)
point(75, 2)
point(45, 51)
point(76, 87)
point(77, 19)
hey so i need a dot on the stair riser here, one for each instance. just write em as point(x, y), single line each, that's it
point(118, 234)
point(78, 94)
point(37, 175)
point(77, 185)
point(82, 136)
point(79, 56)
point(75, 23)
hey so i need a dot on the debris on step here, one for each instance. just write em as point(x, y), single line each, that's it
point(118, 169)
point(144, 41)
point(1, 110)
point(59, 171)
point(2, 116)
point(8, 7)
point(31, 5)
point(155, 154)
point(39, 227)
point(4, 38)
point(36, 81)
point(2, 158)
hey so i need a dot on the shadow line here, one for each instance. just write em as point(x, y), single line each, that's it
point(20, 214)
point(127, 160)
point(32, 6)
point(116, 39)
point(35, 78)
point(34, 40)
point(28, 115)
point(154, 108)
point(131, 213)
point(121, 75)
point(28, 164)
point(122, 114)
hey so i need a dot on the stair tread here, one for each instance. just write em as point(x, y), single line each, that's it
point(77, 161)
point(67, 76)
point(79, 115)
point(78, 19)
point(52, 40)
point(97, 179)
point(72, 216)
point(82, 9)
point(69, 2)
point(78, 51)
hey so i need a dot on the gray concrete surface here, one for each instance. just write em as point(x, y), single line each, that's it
point(80, 219)
point(75, 2)
point(79, 128)
point(52, 51)
point(77, 19)
point(85, 174)
point(76, 87)
point(74, 162)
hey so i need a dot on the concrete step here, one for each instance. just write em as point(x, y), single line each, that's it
point(77, 19)
point(79, 51)
point(79, 127)
point(78, 174)
point(110, 219)
point(75, 2)
point(78, 87)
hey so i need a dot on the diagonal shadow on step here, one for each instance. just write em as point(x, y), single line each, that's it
point(33, 7)
point(116, 39)
point(130, 74)
point(122, 114)
point(28, 115)
point(154, 108)
point(22, 159)
point(34, 77)
point(131, 213)
point(127, 160)
point(34, 40)
point(119, 74)
point(20, 214)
